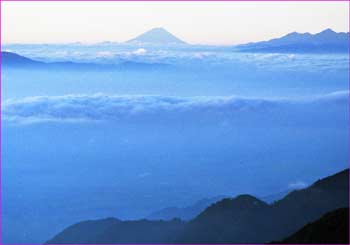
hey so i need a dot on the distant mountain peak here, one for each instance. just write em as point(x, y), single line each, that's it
point(328, 30)
point(158, 35)
point(327, 33)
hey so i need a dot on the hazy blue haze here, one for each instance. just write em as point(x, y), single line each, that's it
point(128, 142)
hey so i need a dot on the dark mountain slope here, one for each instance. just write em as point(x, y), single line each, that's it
point(244, 219)
point(102, 232)
point(85, 231)
point(143, 231)
point(332, 227)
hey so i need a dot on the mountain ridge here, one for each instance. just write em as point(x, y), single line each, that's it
point(326, 41)
point(16, 61)
point(243, 219)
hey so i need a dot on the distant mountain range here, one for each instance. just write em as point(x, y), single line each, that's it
point(190, 212)
point(183, 213)
point(13, 60)
point(275, 196)
point(244, 219)
point(326, 41)
point(158, 36)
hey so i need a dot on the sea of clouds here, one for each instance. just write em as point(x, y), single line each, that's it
point(104, 107)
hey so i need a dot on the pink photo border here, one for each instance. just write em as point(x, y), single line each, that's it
point(348, 160)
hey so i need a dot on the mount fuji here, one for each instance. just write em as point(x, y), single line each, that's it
point(157, 36)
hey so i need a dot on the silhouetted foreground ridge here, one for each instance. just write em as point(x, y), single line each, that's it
point(333, 227)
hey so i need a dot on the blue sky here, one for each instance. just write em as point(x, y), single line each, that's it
point(195, 22)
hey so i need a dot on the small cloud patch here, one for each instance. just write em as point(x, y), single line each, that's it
point(297, 185)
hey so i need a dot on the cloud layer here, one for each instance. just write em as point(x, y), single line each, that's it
point(114, 53)
point(102, 107)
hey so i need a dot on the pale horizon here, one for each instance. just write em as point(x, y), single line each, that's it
point(193, 22)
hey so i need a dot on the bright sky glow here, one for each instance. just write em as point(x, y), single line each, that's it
point(194, 22)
